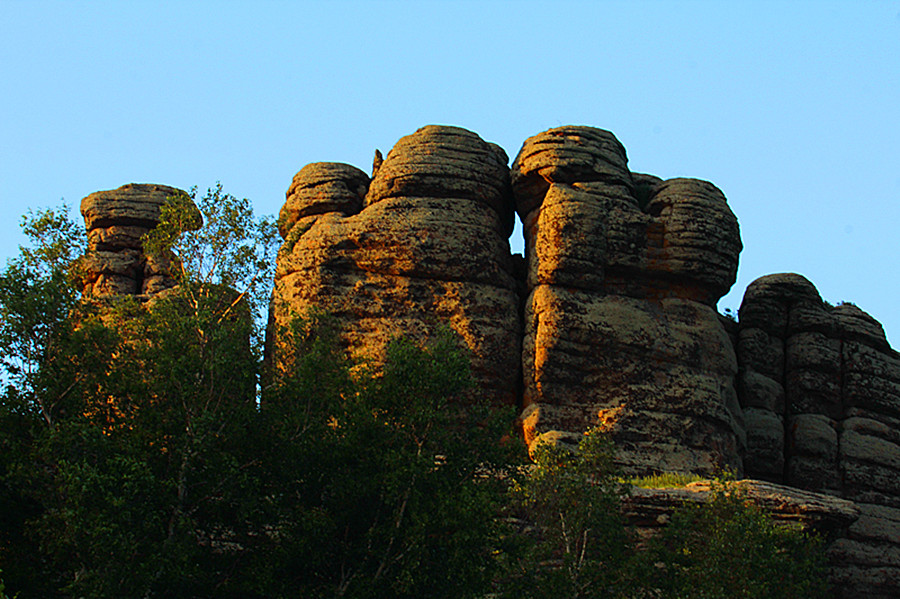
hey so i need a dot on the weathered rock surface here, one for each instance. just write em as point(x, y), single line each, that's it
point(826, 384)
point(820, 388)
point(116, 220)
point(623, 272)
point(421, 246)
point(650, 509)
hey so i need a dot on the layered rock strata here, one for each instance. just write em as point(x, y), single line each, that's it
point(820, 389)
point(649, 510)
point(422, 245)
point(116, 221)
point(621, 330)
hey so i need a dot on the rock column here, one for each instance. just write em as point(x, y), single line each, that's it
point(820, 388)
point(116, 220)
point(623, 273)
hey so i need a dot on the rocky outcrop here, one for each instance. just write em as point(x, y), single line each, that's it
point(116, 221)
point(650, 509)
point(820, 389)
point(623, 272)
point(609, 319)
point(422, 245)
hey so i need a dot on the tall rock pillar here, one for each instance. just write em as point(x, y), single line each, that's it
point(820, 388)
point(621, 330)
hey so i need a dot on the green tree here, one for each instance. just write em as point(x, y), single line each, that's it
point(576, 542)
point(395, 483)
point(125, 465)
point(153, 472)
point(37, 291)
point(223, 246)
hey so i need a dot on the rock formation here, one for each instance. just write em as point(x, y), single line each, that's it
point(820, 390)
point(649, 509)
point(116, 265)
point(421, 246)
point(608, 320)
point(623, 273)
point(116, 220)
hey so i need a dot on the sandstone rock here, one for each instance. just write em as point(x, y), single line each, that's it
point(764, 456)
point(836, 359)
point(135, 204)
point(323, 187)
point(825, 514)
point(866, 559)
point(427, 248)
point(116, 220)
point(841, 405)
point(622, 274)
point(446, 162)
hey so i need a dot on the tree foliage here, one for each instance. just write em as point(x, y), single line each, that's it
point(37, 291)
point(223, 246)
point(389, 492)
point(579, 544)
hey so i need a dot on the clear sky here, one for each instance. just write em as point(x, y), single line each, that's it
point(792, 108)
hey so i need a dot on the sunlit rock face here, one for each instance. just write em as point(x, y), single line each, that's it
point(421, 246)
point(116, 221)
point(820, 389)
point(623, 273)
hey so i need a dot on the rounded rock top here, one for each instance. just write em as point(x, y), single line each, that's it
point(134, 204)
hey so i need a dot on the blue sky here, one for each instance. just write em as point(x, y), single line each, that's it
point(791, 108)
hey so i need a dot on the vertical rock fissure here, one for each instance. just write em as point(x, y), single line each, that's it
point(839, 424)
point(785, 343)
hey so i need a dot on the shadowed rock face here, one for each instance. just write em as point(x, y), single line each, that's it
point(820, 389)
point(623, 272)
point(421, 246)
point(116, 220)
